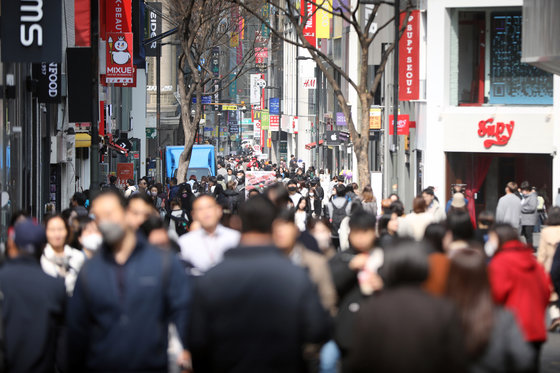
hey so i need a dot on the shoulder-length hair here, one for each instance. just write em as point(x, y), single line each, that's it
point(367, 194)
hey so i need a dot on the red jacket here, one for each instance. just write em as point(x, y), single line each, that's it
point(521, 284)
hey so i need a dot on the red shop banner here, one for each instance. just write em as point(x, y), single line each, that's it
point(409, 58)
point(308, 10)
point(120, 68)
point(402, 125)
point(118, 16)
point(125, 171)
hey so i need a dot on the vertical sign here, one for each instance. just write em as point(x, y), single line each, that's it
point(274, 106)
point(340, 119)
point(265, 120)
point(48, 79)
point(255, 90)
point(409, 58)
point(125, 171)
point(215, 62)
point(308, 14)
point(265, 13)
point(120, 68)
point(154, 28)
point(118, 16)
point(274, 123)
point(323, 19)
point(374, 118)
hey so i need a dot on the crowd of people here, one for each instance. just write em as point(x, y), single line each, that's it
point(308, 274)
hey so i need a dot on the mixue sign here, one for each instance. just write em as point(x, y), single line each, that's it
point(409, 58)
point(497, 134)
point(120, 68)
point(31, 31)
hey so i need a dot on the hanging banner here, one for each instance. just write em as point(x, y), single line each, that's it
point(274, 105)
point(118, 16)
point(409, 58)
point(323, 19)
point(48, 81)
point(255, 90)
point(215, 62)
point(265, 120)
point(31, 31)
point(274, 123)
point(119, 58)
point(154, 28)
point(125, 171)
point(375, 118)
point(402, 125)
point(340, 119)
point(265, 14)
point(261, 54)
point(308, 13)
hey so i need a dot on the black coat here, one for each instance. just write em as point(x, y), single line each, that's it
point(33, 316)
point(407, 330)
point(349, 298)
point(253, 312)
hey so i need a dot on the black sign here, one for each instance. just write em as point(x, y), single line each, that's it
point(48, 81)
point(153, 27)
point(79, 73)
point(31, 31)
point(332, 138)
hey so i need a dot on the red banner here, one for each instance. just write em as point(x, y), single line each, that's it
point(309, 29)
point(402, 125)
point(120, 68)
point(125, 171)
point(409, 58)
point(82, 22)
point(118, 16)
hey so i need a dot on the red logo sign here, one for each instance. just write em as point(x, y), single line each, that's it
point(119, 58)
point(499, 133)
point(118, 17)
point(308, 10)
point(409, 58)
point(402, 125)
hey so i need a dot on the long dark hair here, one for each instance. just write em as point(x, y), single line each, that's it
point(469, 288)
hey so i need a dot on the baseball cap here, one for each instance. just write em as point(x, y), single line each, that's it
point(29, 236)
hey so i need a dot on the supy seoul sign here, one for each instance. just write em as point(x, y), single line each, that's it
point(497, 134)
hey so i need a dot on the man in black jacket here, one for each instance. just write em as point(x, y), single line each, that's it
point(254, 311)
point(33, 305)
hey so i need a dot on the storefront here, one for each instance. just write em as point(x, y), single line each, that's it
point(486, 149)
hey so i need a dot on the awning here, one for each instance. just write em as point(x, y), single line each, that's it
point(313, 145)
point(83, 140)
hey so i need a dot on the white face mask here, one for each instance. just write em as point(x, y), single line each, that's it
point(311, 194)
point(212, 188)
point(92, 242)
point(154, 193)
point(490, 248)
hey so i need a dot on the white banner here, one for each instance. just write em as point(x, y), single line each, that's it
point(255, 90)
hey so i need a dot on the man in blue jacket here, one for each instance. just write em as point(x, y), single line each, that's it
point(124, 300)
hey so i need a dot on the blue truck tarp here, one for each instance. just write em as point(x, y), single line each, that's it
point(202, 156)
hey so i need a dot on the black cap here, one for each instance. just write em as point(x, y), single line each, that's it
point(29, 236)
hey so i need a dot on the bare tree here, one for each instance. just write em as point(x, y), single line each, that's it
point(291, 10)
point(204, 25)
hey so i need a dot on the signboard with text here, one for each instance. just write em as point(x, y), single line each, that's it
point(402, 125)
point(119, 54)
point(409, 58)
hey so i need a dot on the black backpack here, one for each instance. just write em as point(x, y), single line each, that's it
point(181, 223)
point(338, 214)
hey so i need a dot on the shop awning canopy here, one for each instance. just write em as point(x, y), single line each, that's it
point(313, 145)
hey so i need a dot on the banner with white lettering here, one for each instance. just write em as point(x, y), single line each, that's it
point(31, 31)
point(409, 58)
point(47, 76)
point(153, 26)
point(120, 68)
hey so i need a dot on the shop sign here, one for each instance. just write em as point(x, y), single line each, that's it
point(375, 118)
point(308, 13)
point(497, 134)
point(125, 171)
point(48, 77)
point(120, 68)
point(154, 28)
point(340, 119)
point(402, 125)
point(333, 138)
point(274, 123)
point(31, 31)
point(409, 58)
point(118, 16)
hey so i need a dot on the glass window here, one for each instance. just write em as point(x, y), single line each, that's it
point(488, 61)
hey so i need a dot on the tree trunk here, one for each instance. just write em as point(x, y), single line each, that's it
point(189, 130)
point(361, 150)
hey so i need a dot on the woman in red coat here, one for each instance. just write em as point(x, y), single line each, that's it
point(521, 284)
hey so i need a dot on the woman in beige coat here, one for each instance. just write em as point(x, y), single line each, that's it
point(550, 238)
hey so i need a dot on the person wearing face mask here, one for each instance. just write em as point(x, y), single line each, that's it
point(320, 229)
point(59, 259)
point(156, 200)
point(124, 299)
point(295, 196)
point(89, 237)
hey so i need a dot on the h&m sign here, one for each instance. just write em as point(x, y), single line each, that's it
point(31, 31)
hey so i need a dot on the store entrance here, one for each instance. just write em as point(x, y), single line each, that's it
point(488, 174)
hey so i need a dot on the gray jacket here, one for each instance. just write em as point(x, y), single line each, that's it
point(529, 209)
point(507, 351)
point(509, 210)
